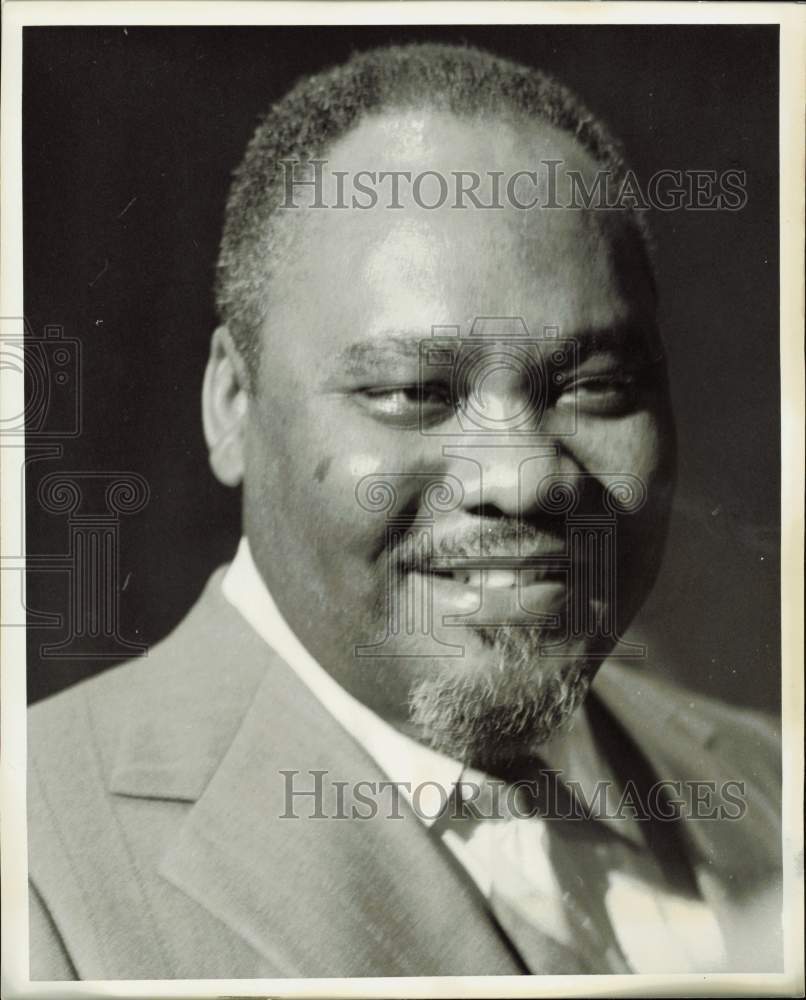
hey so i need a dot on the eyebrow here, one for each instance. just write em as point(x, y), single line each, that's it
point(615, 339)
point(376, 355)
point(367, 357)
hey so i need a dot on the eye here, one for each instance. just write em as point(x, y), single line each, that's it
point(604, 395)
point(407, 405)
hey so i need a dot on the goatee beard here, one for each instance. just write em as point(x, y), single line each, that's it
point(508, 712)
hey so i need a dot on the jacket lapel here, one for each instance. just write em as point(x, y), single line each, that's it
point(332, 895)
point(736, 862)
point(683, 741)
point(314, 897)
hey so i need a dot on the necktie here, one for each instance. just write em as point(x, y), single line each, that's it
point(543, 879)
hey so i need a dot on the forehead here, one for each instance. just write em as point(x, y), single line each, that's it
point(411, 138)
point(352, 273)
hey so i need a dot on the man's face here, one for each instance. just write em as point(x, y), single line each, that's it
point(471, 618)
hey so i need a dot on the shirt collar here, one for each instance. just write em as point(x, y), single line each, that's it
point(401, 758)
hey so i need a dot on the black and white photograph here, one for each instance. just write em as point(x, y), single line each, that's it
point(402, 506)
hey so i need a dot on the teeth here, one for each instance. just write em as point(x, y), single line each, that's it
point(501, 579)
point(494, 579)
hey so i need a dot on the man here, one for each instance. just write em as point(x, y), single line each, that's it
point(360, 753)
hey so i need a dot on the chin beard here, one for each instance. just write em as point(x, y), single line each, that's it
point(492, 718)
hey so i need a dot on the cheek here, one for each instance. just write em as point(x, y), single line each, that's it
point(343, 526)
point(340, 493)
point(369, 489)
point(364, 463)
point(633, 444)
point(639, 445)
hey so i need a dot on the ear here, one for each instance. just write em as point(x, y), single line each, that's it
point(225, 400)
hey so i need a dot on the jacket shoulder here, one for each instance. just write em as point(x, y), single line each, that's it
point(696, 740)
point(207, 665)
point(171, 712)
point(669, 711)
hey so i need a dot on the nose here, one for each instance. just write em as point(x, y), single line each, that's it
point(501, 481)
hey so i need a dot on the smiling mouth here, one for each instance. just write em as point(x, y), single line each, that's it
point(497, 573)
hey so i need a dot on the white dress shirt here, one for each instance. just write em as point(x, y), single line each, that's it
point(657, 929)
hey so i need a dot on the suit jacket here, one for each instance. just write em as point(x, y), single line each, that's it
point(157, 851)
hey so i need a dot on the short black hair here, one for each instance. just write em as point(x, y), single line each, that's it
point(320, 109)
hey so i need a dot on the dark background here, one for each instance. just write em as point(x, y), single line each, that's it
point(129, 139)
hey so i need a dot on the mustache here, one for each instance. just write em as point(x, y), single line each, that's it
point(497, 545)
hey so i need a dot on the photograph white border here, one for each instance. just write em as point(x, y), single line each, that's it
point(792, 21)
